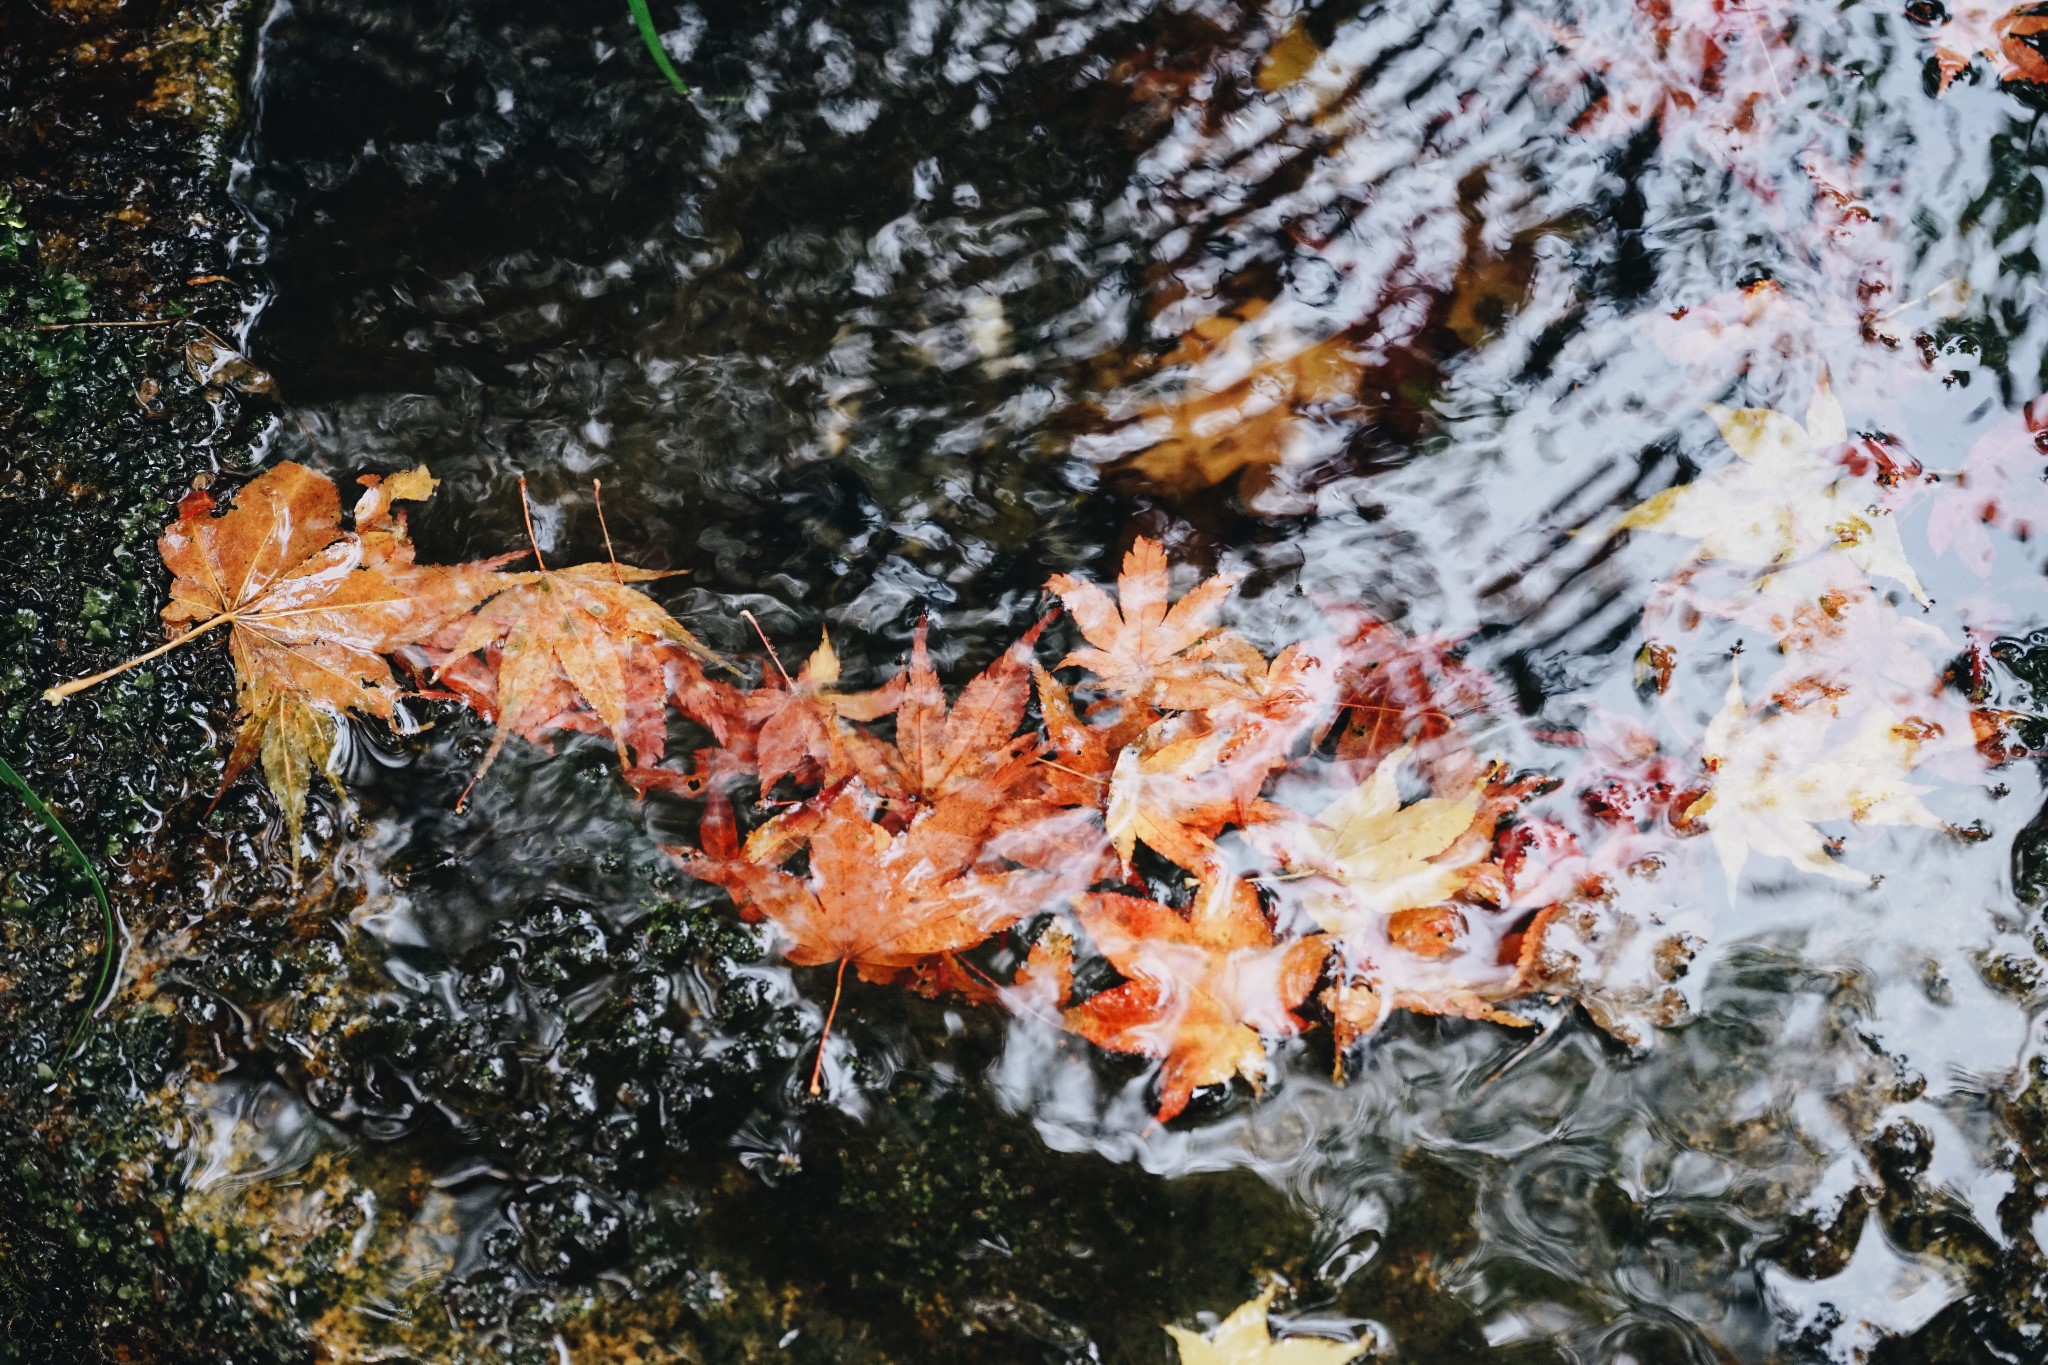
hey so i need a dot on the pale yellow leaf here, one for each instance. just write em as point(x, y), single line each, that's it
point(1245, 1338)
point(1779, 774)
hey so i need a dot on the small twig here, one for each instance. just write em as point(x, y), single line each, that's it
point(597, 496)
point(145, 322)
point(1927, 297)
point(526, 511)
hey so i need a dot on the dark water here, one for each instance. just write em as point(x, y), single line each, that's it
point(870, 327)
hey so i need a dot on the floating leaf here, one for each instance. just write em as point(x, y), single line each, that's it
point(1245, 1338)
point(1779, 773)
point(311, 610)
point(1786, 496)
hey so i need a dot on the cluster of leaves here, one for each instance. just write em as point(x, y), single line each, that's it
point(1969, 29)
point(314, 612)
point(1225, 833)
point(1170, 842)
point(1796, 538)
point(1140, 826)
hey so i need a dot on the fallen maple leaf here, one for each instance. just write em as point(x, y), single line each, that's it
point(1975, 28)
point(1186, 779)
point(884, 902)
point(1778, 773)
point(941, 750)
point(1379, 856)
point(1132, 635)
point(1785, 497)
point(1243, 394)
point(1244, 1338)
point(1398, 690)
point(1204, 989)
point(574, 638)
point(1079, 757)
point(799, 722)
point(311, 609)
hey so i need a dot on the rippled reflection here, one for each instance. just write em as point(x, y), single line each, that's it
point(1402, 305)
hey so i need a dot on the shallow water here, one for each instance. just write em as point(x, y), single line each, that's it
point(872, 326)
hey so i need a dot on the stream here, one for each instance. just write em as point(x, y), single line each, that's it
point(909, 306)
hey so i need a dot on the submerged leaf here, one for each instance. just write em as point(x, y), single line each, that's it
point(1778, 773)
point(1244, 1338)
point(1204, 989)
point(573, 636)
point(1131, 636)
point(1786, 496)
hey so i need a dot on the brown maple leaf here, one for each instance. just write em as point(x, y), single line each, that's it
point(1132, 635)
point(1396, 689)
point(881, 901)
point(1242, 398)
point(1976, 28)
point(1204, 989)
point(1456, 961)
point(311, 611)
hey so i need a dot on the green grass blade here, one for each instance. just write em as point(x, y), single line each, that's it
point(43, 812)
point(651, 36)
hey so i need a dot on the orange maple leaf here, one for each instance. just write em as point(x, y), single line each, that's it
point(1132, 635)
point(1205, 989)
point(570, 637)
point(311, 611)
point(879, 901)
point(1177, 788)
point(1975, 29)
point(1362, 1000)
point(939, 751)
point(798, 724)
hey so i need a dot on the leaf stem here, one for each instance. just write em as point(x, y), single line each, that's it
point(838, 985)
point(43, 812)
point(56, 695)
point(773, 657)
point(597, 496)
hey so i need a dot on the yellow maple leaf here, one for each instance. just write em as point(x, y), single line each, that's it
point(1785, 498)
point(1244, 1338)
point(1780, 773)
point(1380, 853)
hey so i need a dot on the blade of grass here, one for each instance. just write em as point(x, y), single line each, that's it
point(650, 35)
point(43, 812)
